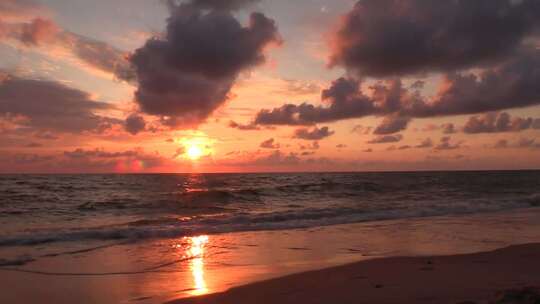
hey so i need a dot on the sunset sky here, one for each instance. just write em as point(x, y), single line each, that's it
point(270, 85)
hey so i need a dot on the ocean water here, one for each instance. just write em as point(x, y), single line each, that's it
point(37, 210)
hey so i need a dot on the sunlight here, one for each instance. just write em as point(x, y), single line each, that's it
point(194, 152)
point(196, 251)
point(196, 146)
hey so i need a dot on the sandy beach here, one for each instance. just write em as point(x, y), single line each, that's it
point(471, 278)
point(285, 266)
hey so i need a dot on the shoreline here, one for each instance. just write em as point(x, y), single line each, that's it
point(231, 260)
point(475, 277)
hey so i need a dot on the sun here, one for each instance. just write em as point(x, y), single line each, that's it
point(194, 152)
point(195, 147)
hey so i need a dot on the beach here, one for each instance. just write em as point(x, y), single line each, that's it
point(471, 278)
point(161, 271)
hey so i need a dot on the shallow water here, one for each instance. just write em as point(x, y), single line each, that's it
point(154, 271)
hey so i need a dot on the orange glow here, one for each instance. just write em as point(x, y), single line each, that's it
point(196, 252)
point(196, 146)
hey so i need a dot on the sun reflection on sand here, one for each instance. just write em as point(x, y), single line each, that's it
point(195, 251)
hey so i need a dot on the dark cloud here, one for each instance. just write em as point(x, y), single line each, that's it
point(51, 106)
point(314, 146)
point(368, 150)
point(510, 85)
point(522, 143)
point(38, 31)
point(99, 153)
point(341, 146)
point(99, 160)
point(446, 144)
point(216, 4)
point(278, 158)
point(99, 55)
point(392, 124)
point(391, 37)
point(498, 122)
point(34, 145)
point(135, 124)
point(313, 134)
point(426, 143)
point(186, 75)
point(239, 126)
point(448, 128)
point(46, 136)
point(386, 139)
point(26, 159)
point(179, 152)
point(362, 130)
point(345, 100)
point(500, 144)
point(269, 144)
point(528, 143)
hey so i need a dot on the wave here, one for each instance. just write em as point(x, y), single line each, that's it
point(168, 227)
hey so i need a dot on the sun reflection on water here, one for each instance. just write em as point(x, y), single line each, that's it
point(195, 251)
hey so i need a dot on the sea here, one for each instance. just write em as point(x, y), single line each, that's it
point(42, 209)
point(150, 238)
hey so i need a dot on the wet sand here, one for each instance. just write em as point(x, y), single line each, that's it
point(156, 271)
point(470, 278)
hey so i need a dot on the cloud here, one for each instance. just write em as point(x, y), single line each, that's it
point(314, 146)
point(188, 73)
point(426, 143)
point(34, 145)
point(448, 128)
point(396, 37)
point(313, 134)
point(392, 124)
point(17, 10)
point(228, 5)
point(345, 100)
point(446, 144)
point(500, 144)
point(528, 143)
point(386, 139)
point(499, 122)
point(362, 130)
point(510, 85)
point(45, 33)
point(99, 153)
point(299, 87)
point(135, 124)
point(278, 158)
point(247, 127)
point(51, 106)
point(100, 160)
point(29, 159)
point(38, 31)
point(522, 143)
point(269, 144)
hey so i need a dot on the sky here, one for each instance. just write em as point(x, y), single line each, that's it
point(146, 86)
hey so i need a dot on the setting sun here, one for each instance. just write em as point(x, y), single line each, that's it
point(195, 146)
point(194, 152)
